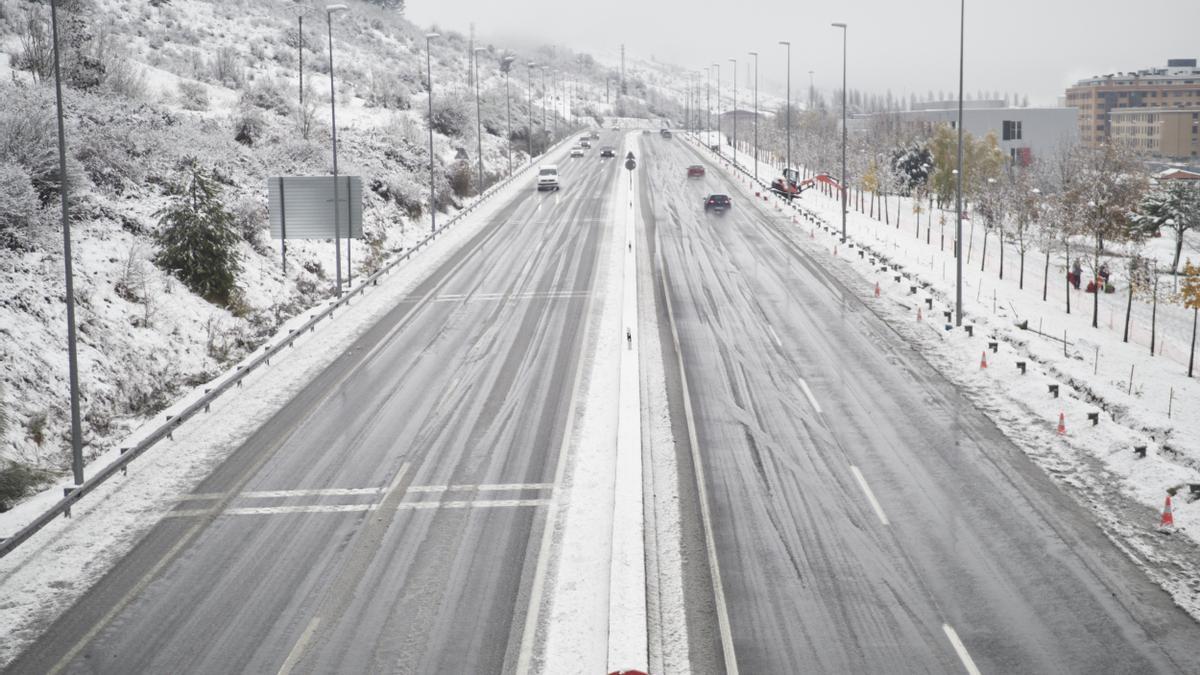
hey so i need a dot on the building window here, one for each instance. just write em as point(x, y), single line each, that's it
point(1012, 131)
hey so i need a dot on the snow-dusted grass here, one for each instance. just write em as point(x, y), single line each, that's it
point(1097, 462)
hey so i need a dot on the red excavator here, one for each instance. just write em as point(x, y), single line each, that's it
point(790, 185)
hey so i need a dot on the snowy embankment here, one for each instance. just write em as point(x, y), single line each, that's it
point(1092, 370)
point(44, 576)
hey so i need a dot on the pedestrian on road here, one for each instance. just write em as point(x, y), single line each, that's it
point(1076, 273)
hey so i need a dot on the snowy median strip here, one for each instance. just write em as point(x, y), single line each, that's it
point(627, 634)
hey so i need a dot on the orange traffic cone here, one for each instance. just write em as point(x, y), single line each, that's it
point(919, 317)
point(1062, 424)
point(877, 291)
point(982, 359)
point(1168, 516)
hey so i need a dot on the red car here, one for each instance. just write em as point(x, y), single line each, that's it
point(695, 171)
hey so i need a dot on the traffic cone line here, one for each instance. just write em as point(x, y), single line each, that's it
point(1168, 514)
point(1062, 424)
point(982, 359)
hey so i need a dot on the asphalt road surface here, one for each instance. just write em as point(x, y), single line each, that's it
point(389, 518)
point(866, 517)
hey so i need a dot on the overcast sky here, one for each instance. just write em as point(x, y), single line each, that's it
point(1035, 47)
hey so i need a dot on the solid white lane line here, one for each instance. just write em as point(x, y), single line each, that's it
point(293, 656)
point(321, 492)
point(961, 650)
point(476, 504)
point(774, 336)
point(305, 508)
point(497, 487)
point(870, 495)
point(811, 399)
point(358, 508)
point(396, 480)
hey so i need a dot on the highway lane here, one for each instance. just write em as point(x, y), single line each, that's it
point(389, 517)
point(866, 517)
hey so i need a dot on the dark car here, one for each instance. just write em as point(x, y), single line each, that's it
point(607, 152)
point(718, 203)
point(695, 171)
point(666, 133)
point(586, 145)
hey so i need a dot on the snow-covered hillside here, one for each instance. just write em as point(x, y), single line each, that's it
point(218, 83)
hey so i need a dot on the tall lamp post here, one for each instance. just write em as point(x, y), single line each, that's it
point(529, 93)
point(545, 129)
point(69, 272)
point(755, 55)
point(429, 37)
point(505, 67)
point(330, 10)
point(962, 29)
point(478, 117)
point(733, 111)
point(788, 121)
point(708, 107)
point(720, 141)
point(845, 30)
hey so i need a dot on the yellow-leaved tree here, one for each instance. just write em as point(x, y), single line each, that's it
point(1189, 292)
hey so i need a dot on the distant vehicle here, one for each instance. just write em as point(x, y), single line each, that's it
point(576, 152)
point(695, 171)
point(607, 152)
point(585, 144)
point(666, 133)
point(595, 135)
point(616, 128)
point(645, 132)
point(715, 147)
point(717, 203)
point(547, 177)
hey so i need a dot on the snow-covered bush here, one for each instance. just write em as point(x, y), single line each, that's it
point(18, 480)
point(266, 93)
point(28, 136)
point(450, 116)
point(193, 96)
point(402, 188)
point(20, 210)
point(248, 125)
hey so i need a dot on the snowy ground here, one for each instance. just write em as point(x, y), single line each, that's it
point(1097, 462)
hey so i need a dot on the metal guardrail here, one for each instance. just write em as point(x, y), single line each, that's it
point(74, 494)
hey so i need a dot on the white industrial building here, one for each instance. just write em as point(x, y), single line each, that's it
point(1023, 133)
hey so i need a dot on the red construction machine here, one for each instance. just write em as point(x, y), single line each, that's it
point(790, 185)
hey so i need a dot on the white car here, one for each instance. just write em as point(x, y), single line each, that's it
point(576, 152)
point(547, 177)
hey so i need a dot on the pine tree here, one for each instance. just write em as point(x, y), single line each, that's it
point(1174, 205)
point(198, 241)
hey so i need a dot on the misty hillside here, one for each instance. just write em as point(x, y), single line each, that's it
point(158, 97)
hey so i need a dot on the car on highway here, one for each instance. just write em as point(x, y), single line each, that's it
point(607, 152)
point(547, 177)
point(576, 152)
point(695, 171)
point(595, 135)
point(666, 133)
point(717, 203)
point(585, 144)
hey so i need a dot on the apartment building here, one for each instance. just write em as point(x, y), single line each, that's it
point(1161, 133)
point(1176, 87)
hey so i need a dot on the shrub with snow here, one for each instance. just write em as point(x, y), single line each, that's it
point(198, 242)
point(193, 96)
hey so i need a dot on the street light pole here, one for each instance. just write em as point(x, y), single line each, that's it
point(755, 55)
point(788, 159)
point(720, 141)
point(429, 82)
point(708, 107)
point(506, 66)
point(69, 271)
point(733, 111)
point(845, 30)
point(545, 129)
point(962, 28)
point(330, 10)
point(529, 93)
point(478, 118)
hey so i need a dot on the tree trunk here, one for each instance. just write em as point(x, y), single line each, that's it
point(1068, 278)
point(900, 201)
point(1128, 310)
point(1154, 314)
point(1046, 276)
point(1178, 251)
point(1192, 356)
point(1096, 295)
point(1021, 281)
point(983, 256)
point(971, 243)
point(886, 217)
point(1001, 255)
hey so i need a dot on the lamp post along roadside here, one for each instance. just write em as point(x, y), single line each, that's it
point(545, 129)
point(68, 267)
point(708, 106)
point(720, 141)
point(478, 117)
point(755, 55)
point(330, 10)
point(429, 37)
point(788, 121)
point(506, 66)
point(733, 111)
point(958, 283)
point(845, 30)
point(529, 106)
